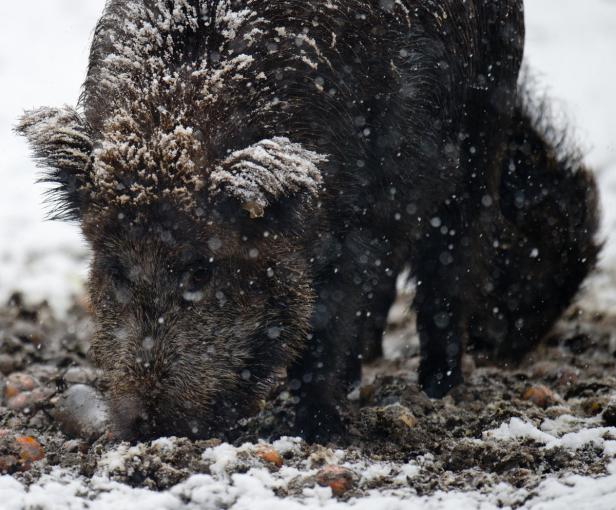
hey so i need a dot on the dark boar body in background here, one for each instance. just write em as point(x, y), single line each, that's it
point(254, 175)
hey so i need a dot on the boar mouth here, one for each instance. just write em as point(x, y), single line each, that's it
point(133, 421)
point(142, 417)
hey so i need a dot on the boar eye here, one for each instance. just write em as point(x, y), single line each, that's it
point(120, 283)
point(117, 274)
point(194, 280)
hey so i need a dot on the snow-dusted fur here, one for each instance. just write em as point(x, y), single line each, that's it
point(152, 106)
point(63, 146)
point(266, 171)
point(253, 175)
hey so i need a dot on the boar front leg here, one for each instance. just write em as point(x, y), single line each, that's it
point(347, 288)
point(448, 268)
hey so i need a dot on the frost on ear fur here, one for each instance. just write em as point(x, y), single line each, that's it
point(62, 145)
point(267, 171)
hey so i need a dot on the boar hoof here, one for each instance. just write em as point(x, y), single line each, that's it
point(438, 384)
point(319, 424)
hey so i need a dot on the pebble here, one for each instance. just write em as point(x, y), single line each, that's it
point(8, 363)
point(17, 453)
point(80, 375)
point(17, 383)
point(338, 478)
point(30, 450)
point(269, 455)
point(395, 421)
point(23, 393)
point(82, 413)
point(541, 396)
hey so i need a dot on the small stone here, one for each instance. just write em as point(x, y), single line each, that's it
point(30, 450)
point(17, 383)
point(79, 375)
point(72, 446)
point(39, 421)
point(399, 415)
point(541, 396)
point(269, 455)
point(28, 332)
point(8, 364)
point(19, 402)
point(609, 415)
point(338, 478)
point(394, 421)
point(17, 453)
point(405, 417)
point(24, 393)
point(82, 413)
point(321, 456)
point(29, 401)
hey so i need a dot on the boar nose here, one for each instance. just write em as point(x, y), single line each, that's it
point(142, 427)
point(132, 420)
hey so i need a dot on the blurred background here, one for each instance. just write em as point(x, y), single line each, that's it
point(571, 49)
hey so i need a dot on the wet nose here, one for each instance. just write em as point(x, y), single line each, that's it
point(131, 419)
point(142, 427)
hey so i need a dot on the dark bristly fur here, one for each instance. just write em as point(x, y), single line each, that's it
point(254, 175)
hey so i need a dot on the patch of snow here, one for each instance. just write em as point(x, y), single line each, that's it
point(579, 492)
point(222, 457)
point(164, 443)
point(286, 445)
point(407, 471)
point(519, 429)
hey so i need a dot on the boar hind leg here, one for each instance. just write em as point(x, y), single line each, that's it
point(549, 202)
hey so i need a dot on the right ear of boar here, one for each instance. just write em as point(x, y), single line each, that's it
point(62, 145)
point(271, 169)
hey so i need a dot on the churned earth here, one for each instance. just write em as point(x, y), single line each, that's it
point(498, 438)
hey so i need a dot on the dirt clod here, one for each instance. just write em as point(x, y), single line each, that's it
point(390, 422)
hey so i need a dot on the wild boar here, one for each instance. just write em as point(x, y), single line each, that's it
point(253, 176)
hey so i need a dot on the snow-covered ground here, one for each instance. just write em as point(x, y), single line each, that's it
point(43, 54)
point(237, 484)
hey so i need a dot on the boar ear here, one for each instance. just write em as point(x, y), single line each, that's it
point(267, 171)
point(62, 145)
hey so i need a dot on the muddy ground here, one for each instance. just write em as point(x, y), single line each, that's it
point(571, 375)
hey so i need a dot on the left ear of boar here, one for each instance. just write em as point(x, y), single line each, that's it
point(62, 145)
point(267, 171)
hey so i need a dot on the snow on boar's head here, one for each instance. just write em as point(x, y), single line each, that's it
point(200, 220)
point(199, 223)
point(200, 279)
